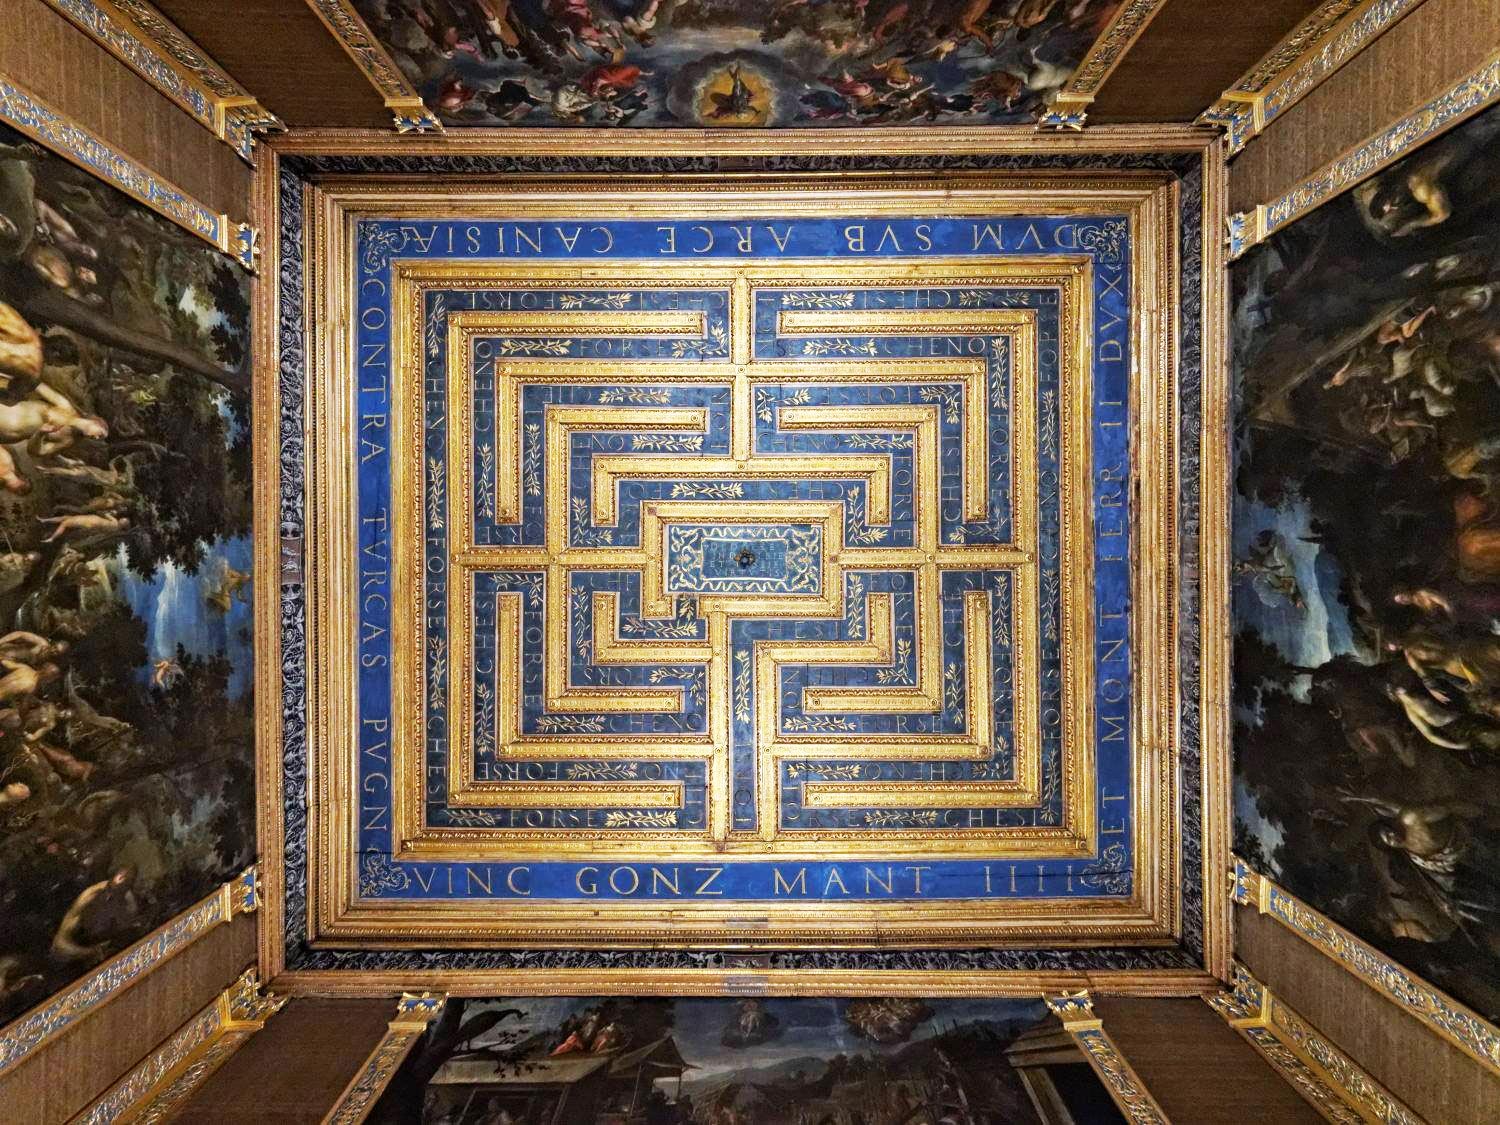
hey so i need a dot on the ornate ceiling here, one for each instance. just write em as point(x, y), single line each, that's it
point(729, 63)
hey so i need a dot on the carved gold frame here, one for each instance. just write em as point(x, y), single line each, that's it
point(338, 916)
point(751, 974)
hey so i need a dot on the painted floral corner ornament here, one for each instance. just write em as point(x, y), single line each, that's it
point(1064, 115)
point(414, 117)
point(1244, 231)
point(246, 246)
point(420, 1005)
point(1244, 884)
point(244, 892)
point(1072, 1007)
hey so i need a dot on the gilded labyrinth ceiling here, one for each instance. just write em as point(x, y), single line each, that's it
point(738, 569)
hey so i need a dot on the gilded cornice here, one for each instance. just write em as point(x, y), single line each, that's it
point(413, 1014)
point(1444, 1016)
point(156, 49)
point(53, 1016)
point(158, 1085)
point(1075, 1010)
point(1069, 106)
point(401, 98)
point(978, 140)
point(1474, 92)
point(1310, 53)
point(47, 125)
point(1333, 1083)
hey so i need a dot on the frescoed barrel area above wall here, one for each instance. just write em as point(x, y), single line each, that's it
point(728, 63)
point(1366, 353)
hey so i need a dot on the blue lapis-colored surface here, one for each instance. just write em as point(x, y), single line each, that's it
point(1102, 239)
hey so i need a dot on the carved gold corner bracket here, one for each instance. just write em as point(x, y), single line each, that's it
point(1333, 1083)
point(40, 121)
point(176, 67)
point(1308, 55)
point(1444, 1016)
point(413, 1014)
point(1076, 1012)
point(344, 24)
point(1468, 96)
point(53, 1016)
point(165, 1080)
point(1069, 106)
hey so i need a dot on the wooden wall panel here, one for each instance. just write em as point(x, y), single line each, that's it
point(1189, 54)
point(58, 63)
point(67, 1074)
point(1198, 1068)
point(1417, 59)
point(1435, 1080)
point(280, 51)
point(294, 1068)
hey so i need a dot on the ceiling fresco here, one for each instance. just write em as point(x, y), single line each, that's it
point(728, 63)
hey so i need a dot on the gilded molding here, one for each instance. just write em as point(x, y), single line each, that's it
point(337, 914)
point(1214, 629)
point(1311, 53)
point(241, 895)
point(1076, 1012)
point(156, 49)
point(734, 973)
point(1333, 1083)
point(413, 1014)
point(1470, 95)
point(31, 115)
point(1444, 1016)
point(747, 975)
point(407, 108)
point(167, 1076)
point(1069, 106)
point(861, 141)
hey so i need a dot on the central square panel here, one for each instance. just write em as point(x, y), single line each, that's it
point(765, 572)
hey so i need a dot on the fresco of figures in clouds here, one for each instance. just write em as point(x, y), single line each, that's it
point(1366, 349)
point(722, 1061)
point(735, 63)
point(125, 626)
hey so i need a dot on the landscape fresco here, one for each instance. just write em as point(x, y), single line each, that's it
point(721, 1061)
point(126, 777)
point(736, 63)
point(1366, 348)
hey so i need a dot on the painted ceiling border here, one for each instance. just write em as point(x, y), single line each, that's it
point(137, 34)
point(47, 125)
point(30, 1032)
point(1474, 92)
point(863, 142)
point(746, 977)
point(410, 113)
point(1444, 1016)
point(1069, 108)
point(1307, 56)
point(1328, 1079)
